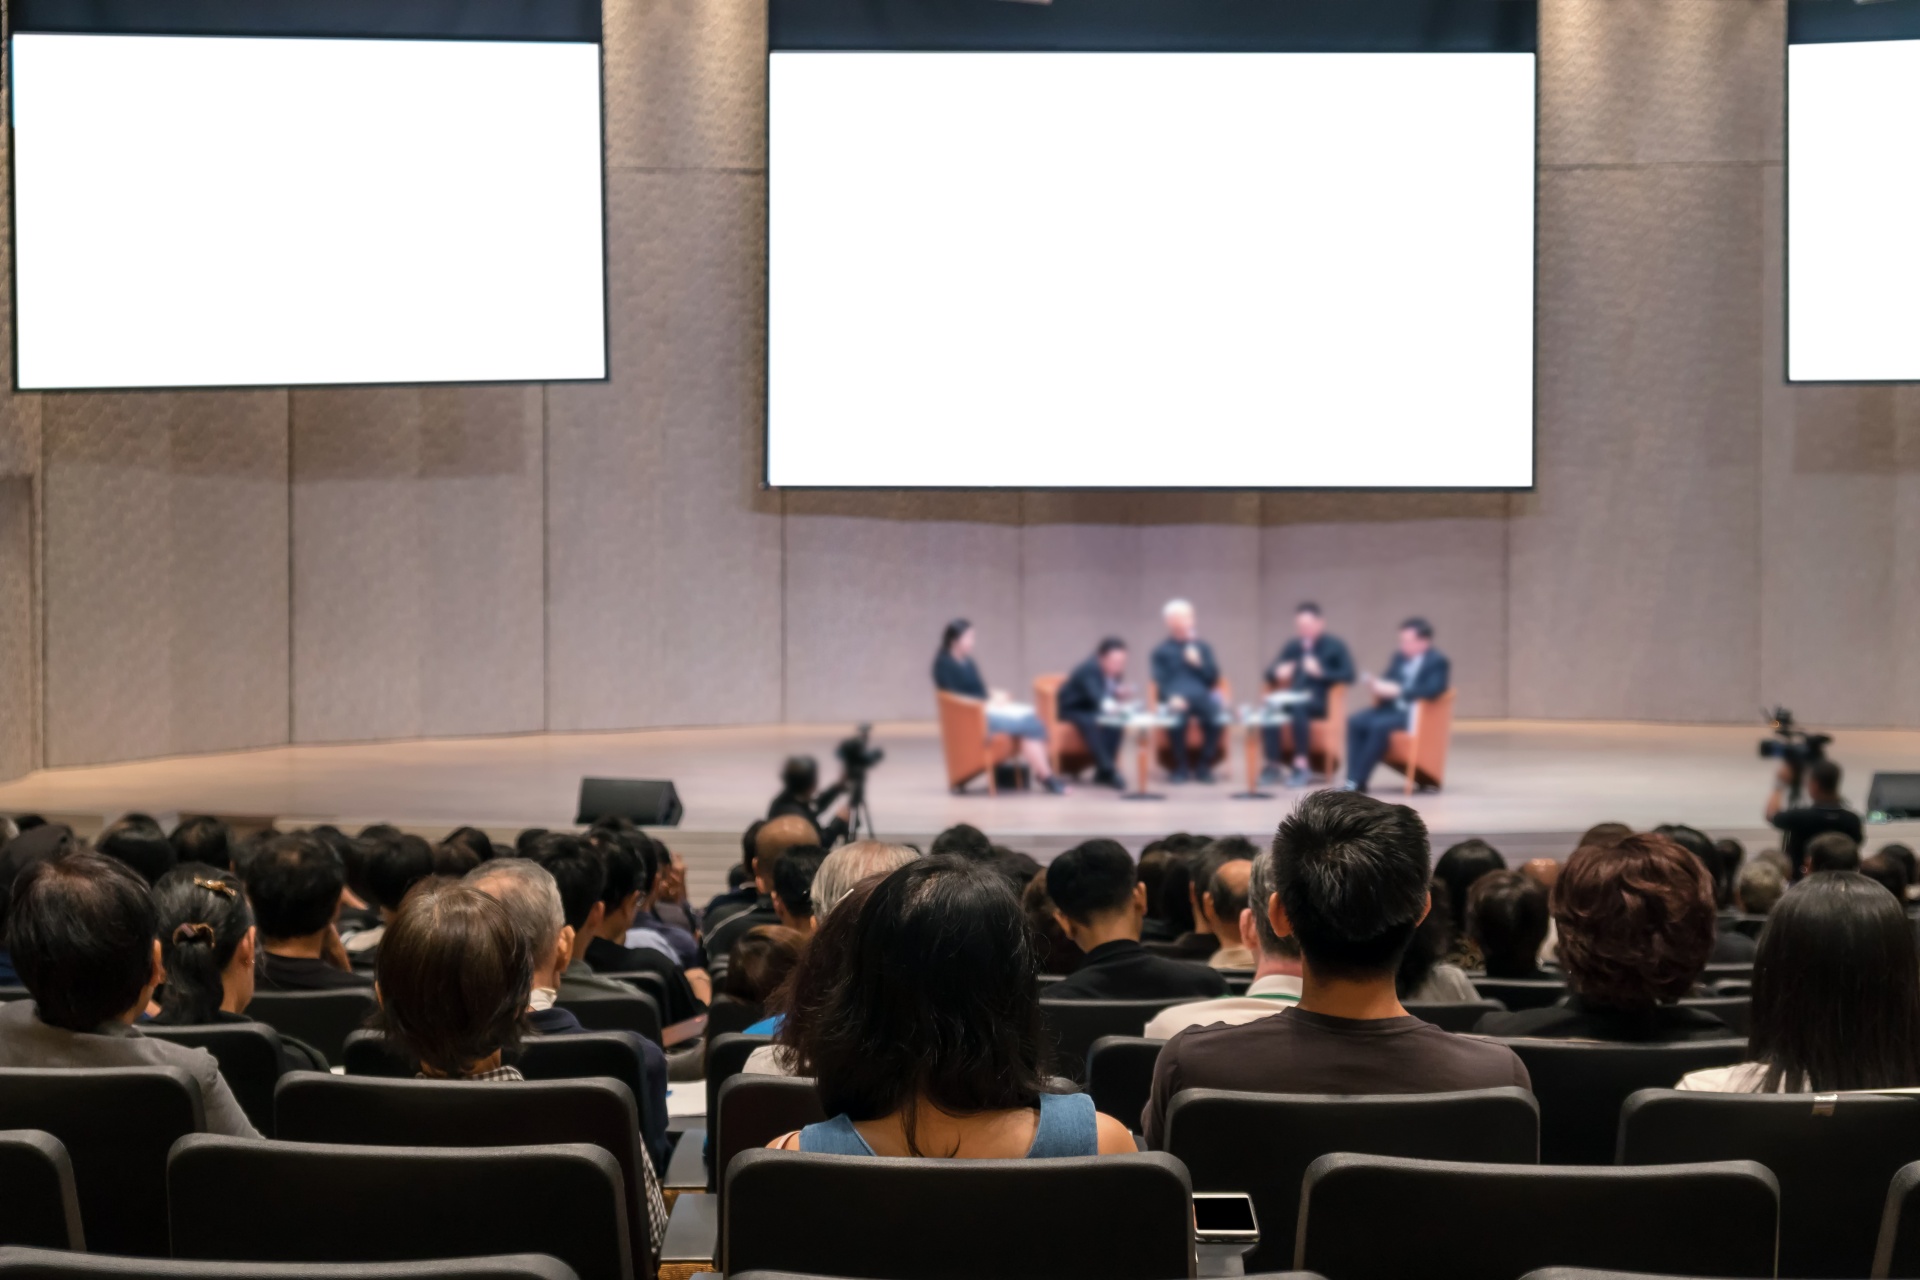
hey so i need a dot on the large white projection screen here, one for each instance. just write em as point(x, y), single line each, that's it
point(1853, 207)
point(1151, 269)
point(202, 211)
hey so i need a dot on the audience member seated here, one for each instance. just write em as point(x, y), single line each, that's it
point(294, 884)
point(1155, 861)
point(1276, 976)
point(775, 838)
point(1185, 938)
point(81, 931)
point(589, 877)
point(1425, 975)
point(1729, 946)
point(963, 840)
point(532, 902)
point(463, 849)
point(1604, 834)
point(1346, 878)
point(760, 966)
point(1909, 867)
point(394, 862)
point(793, 887)
point(1219, 902)
point(650, 929)
point(205, 840)
point(33, 845)
point(631, 870)
point(1507, 922)
point(1636, 925)
point(933, 1046)
point(741, 892)
point(1758, 887)
point(1055, 949)
point(1457, 869)
point(138, 841)
point(1099, 904)
point(1884, 871)
point(830, 950)
point(850, 864)
point(1836, 995)
point(1832, 851)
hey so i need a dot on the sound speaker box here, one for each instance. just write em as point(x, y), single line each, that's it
point(647, 802)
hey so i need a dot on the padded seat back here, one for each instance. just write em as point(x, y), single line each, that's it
point(1454, 1015)
point(47, 1264)
point(1735, 1011)
point(1383, 1218)
point(876, 1218)
point(323, 1019)
point(1581, 1086)
point(249, 1058)
point(1898, 1252)
point(616, 1011)
point(311, 1107)
point(239, 1200)
point(1834, 1161)
point(753, 1111)
point(726, 1057)
point(1071, 1027)
point(1521, 993)
point(1261, 1144)
point(39, 1205)
point(728, 1015)
point(1120, 1076)
point(117, 1124)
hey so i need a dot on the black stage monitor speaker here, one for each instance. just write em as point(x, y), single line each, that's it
point(1894, 797)
point(648, 802)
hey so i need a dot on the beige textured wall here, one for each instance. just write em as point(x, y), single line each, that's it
point(197, 571)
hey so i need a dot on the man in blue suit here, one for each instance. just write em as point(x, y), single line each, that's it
point(1418, 672)
point(1081, 698)
point(1312, 662)
point(1187, 676)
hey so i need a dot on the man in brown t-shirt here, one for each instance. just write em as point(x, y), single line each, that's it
point(1346, 879)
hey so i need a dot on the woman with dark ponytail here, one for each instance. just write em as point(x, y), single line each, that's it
point(206, 945)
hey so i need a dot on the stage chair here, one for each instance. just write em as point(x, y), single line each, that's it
point(1261, 1144)
point(311, 1107)
point(51, 1264)
point(1420, 751)
point(1521, 993)
point(1461, 1015)
point(963, 737)
point(1581, 1086)
point(1120, 1076)
point(1384, 1218)
point(323, 1019)
point(249, 1058)
point(875, 1218)
point(1326, 739)
point(1163, 749)
point(117, 1124)
point(1898, 1252)
point(1834, 1160)
point(1064, 743)
point(1071, 1027)
point(229, 1201)
point(41, 1206)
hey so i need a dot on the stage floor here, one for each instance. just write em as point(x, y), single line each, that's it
point(1527, 785)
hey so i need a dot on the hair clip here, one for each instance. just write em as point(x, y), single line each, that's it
point(220, 887)
point(193, 933)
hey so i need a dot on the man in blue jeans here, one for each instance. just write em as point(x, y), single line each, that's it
point(1418, 672)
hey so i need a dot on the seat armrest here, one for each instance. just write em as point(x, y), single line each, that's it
point(687, 1170)
point(692, 1241)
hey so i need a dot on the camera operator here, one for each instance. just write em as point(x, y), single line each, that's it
point(1824, 811)
point(800, 796)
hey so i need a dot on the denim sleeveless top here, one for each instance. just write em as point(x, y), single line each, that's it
point(1067, 1127)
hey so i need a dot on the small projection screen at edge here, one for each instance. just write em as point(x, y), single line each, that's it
point(1240, 258)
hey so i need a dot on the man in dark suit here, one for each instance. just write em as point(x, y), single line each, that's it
point(1079, 702)
point(1100, 903)
point(1186, 675)
point(1418, 672)
point(1312, 662)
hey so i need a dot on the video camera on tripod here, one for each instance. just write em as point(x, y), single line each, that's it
point(1792, 746)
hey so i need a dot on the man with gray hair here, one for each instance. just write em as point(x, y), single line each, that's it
point(849, 865)
point(1188, 679)
point(1276, 973)
point(532, 898)
point(1758, 886)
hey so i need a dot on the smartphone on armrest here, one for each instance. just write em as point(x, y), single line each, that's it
point(1224, 1217)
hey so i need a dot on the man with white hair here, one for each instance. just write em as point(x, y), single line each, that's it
point(1187, 677)
point(532, 899)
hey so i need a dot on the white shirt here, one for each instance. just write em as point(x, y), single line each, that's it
point(542, 998)
point(1744, 1077)
point(1267, 996)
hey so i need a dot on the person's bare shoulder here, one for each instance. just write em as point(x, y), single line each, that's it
point(1115, 1138)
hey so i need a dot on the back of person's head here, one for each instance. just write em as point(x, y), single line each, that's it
point(395, 863)
point(849, 865)
point(1604, 835)
point(294, 886)
point(1228, 861)
point(1636, 922)
point(1507, 919)
point(936, 997)
point(1054, 951)
point(1433, 940)
point(1019, 868)
point(577, 867)
point(532, 899)
point(1884, 871)
point(80, 931)
point(453, 977)
point(351, 852)
point(762, 959)
point(1091, 880)
point(630, 866)
point(1261, 886)
point(33, 845)
point(1836, 989)
point(1732, 854)
point(201, 918)
point(1902, 856)
point(775, 837)
point(1823, 779)
point(1701, 846)
point(1833, 851)
point(1351, 872)
point(800, 776)
point(138, 841)
point(1155, 861)
point(1176, 883)
point(1459, 867)
point(963, 841)
point(793, 878)
point(463, 849)
point(205, 840)
point(1759, 886)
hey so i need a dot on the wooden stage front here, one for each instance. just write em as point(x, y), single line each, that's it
point(1528, 786)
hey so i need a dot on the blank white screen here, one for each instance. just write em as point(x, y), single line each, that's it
point(194, 211)
point(1853, 201)
point(1150, 269)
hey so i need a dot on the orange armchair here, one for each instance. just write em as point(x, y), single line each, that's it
point(1163, 749)
point(1420, 750)
point(1064, 744)
point(963, 736)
